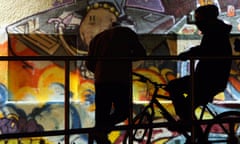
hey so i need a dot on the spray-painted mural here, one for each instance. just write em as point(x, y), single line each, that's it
point(32, 92)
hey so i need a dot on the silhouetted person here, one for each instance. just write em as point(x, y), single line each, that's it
point(210, 75)
point(112, 76)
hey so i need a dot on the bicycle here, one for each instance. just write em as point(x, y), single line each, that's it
point(228, 132)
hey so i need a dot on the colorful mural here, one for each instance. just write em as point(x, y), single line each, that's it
point(32, 92)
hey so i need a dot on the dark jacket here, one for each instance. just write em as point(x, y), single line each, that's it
point(211, 75)
point(117, 42)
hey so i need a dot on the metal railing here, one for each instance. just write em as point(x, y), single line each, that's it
point(67, 59)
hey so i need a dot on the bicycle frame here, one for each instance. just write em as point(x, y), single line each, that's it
point(147, 114)
point(154, 100)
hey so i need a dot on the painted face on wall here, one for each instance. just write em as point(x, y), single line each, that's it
point(96, 20)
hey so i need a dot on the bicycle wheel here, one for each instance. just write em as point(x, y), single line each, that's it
point(225, 129)
point(140, 135)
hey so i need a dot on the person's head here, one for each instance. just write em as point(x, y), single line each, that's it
point(204, 15)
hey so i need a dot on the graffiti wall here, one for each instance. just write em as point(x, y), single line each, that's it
point(33, 92)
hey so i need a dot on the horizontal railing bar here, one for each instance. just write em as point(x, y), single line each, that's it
point(72, 58)
point(121, 127)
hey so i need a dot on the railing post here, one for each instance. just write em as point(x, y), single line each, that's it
point(192, 65)
point(130, 121)
point(66, 101)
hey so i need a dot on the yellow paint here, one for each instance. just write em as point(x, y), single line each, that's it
point(162, 141)
point(75, 81)
point(206, 115)
point(114, 135)
point(220, 96)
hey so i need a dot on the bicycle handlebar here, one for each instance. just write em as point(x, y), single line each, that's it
point(145, 79)
point(156, 85)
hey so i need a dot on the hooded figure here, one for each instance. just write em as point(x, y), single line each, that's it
point(212, 70)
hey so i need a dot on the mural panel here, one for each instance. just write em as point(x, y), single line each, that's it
point(32, 92)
